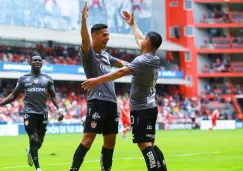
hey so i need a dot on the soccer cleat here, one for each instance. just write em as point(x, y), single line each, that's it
point(38, 169)
point(29, 158)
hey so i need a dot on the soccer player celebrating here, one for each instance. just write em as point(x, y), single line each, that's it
point(36, 86)
point(102, 116)
point(145, 70)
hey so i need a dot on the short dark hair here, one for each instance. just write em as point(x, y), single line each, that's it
point(35, 54)
point(155, 39)
point(98, 27)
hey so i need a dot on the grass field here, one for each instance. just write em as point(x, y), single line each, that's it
point(184, 151)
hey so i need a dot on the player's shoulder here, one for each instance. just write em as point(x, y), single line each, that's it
point(26, 77)
point(140, 58)
point(43, 74)
point(106, 54)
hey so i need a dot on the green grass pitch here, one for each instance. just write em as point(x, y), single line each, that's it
point(185, 150)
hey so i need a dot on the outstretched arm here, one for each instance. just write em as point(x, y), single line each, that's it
point(13, 96)
point(55, 101)
point(129, 18)
point(119, 64)
point(93, 82)
point(84, 30)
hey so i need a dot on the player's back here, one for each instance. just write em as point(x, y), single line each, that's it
point(145, 74)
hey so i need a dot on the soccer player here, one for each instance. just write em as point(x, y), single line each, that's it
point(36, 86)
point(102, 116)
point(215, 115)
point(145, 70)
point(125, 117)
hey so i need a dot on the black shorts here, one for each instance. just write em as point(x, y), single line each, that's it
point(36, 124)
point(143, 125)
point(102, 117)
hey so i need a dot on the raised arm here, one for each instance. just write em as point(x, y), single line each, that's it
point(129, 18)
point(84, 30)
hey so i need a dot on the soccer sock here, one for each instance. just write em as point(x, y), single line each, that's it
point(150, 158)
point(106, 159)
point(34, 155)
point(124, 132)
point(78, 157)
point(161, 159)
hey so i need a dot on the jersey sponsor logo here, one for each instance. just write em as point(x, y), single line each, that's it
point(36, 89)
point(96, 116)
point(36, 81)
point(152, 162)
point(93, 125)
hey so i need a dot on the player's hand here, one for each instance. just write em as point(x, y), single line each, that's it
point(90, 84)
point(129, 18)
point(60, 115)
point(85, 10)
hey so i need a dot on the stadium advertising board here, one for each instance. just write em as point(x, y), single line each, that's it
point(221, 124)
point(70, 69)
point(239, 124)
point(179, 126)
point(58, 129)
point(9, 130)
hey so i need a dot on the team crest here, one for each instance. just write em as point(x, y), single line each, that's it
point(93, 125)
point(36, 81)
point(26, 123)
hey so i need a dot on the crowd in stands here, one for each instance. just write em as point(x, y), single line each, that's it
point(220, 65)
point(217, 15)
point(222, 89)
point(172, 106)
point(66, 55)
point(222, 42)
point(69, 55)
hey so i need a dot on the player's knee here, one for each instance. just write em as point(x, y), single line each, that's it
point(144, 145)
point(33, 140)
point(110, 142)
point(40, 141)
point(88, 140)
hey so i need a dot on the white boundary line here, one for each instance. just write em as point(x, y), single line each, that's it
point(116, 159)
